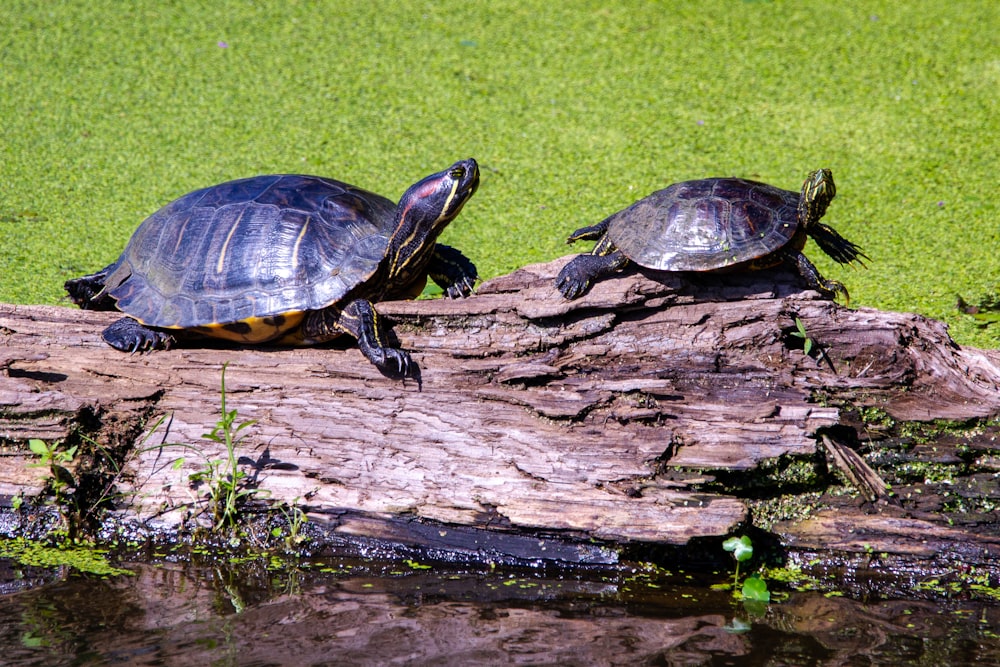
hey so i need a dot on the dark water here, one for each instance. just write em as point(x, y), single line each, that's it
point(348, 613)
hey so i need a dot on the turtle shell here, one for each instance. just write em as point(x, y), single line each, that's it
point(706, 224)
point(248, 256)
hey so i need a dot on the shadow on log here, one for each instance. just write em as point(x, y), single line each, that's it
point(651, 411)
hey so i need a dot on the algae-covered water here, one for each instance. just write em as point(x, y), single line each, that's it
point(341, 612)
point(573, 109)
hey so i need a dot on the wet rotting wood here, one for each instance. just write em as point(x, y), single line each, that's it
point(611, 419)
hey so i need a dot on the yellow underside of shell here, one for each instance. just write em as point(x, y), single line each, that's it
point(285, 329)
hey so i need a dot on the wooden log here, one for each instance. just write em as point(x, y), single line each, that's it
point(610, 418)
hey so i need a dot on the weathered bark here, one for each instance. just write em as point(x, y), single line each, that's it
point(647, 411)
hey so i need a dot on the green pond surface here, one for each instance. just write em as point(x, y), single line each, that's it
point(573, 109)
point(349, 613)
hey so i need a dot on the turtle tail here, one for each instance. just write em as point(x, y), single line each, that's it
point(836, 246)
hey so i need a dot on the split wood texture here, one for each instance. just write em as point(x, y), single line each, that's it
point(540, 427)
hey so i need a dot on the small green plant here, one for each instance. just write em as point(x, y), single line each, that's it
point(227, 484)
point(810, 347)
point(56, 460)
point(296, 519)
point(754, 588)
point(800, 332)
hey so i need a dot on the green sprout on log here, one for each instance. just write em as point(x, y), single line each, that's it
point(754, 588)
point(227, 484)
point(800, 332)
point(56, 460)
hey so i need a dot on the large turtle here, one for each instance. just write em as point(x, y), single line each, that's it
point(715, 224)
point(293, 260)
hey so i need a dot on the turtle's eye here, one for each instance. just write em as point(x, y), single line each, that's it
point(457, 172)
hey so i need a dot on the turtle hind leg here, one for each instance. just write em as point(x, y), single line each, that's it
point(128, 335)
point(360, 319)
point(836, 246)
point(87, 292)
point(828, 288)
point(580, 273)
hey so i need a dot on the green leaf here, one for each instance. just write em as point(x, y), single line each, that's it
point(755, 588)
point(214, 435)
point(801, 329)
point(38, 447)
point(800, 332)
point(741, 547)
point(66, 456)
point(249, 422)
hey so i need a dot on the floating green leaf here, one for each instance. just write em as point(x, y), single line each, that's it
point(755, 588)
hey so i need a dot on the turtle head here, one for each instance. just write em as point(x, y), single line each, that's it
point(423, 212)
point(817, 193)
point(430, 204)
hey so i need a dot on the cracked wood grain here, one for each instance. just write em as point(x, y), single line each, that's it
point(535, 415)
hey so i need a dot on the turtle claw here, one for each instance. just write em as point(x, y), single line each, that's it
point(835, 287)
point(393, 362)
point(576, 277)
point(129, 336)
point(461, 288)
point(401, 360)
point(571, 287)
point(452, 271)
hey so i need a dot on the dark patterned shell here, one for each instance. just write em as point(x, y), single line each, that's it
point(252, 248)
point(706, 225)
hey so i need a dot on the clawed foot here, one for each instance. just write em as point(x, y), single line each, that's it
point(452, 271)
point(831, 288)
point(461, 288)
point(393, 362)
point(574, 278)
point(129, 336)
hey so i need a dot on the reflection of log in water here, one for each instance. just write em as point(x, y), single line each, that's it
point(174, 615)
point(647, 412)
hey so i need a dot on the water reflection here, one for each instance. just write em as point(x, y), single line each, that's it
point(343, 614)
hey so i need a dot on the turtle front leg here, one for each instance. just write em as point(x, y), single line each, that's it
point(452, 271)
point(130, 336)
point(828, 288)
point(576, 277)
point(360, 319)
point(591, 233)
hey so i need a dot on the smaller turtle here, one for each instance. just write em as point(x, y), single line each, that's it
point(715, 224)
point(286, 259)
